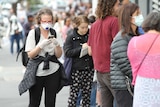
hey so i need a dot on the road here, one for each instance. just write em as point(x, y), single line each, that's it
point(11, 73)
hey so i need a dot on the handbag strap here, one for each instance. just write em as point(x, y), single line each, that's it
point(148, 51)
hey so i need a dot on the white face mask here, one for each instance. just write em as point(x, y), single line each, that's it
point(133, 1)
point(138, 20)
point(46, 26)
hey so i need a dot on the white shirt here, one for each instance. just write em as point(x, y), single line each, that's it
point(14, 25)
point(30, 44)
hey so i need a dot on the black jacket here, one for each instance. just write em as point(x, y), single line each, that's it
point(72, 48)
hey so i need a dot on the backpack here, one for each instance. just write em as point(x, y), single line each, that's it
point(24, 54)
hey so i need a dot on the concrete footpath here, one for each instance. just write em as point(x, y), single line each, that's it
point(11, 73)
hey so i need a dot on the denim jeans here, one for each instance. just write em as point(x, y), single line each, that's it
point(15, 37)
point(93, 96)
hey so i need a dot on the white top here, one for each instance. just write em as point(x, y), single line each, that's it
point(58, 27)
point(14, 25)
point(146, 92)
point(30, 44)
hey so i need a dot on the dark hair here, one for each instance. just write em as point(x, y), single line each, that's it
point(30, 15)
point(92, 19)
point(43, 11)
point(152, 22)
point(65, 19)
point(105, 8)
point(120, 2)
point(125, 15)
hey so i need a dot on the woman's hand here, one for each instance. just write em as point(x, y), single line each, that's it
point(84, 45)
point(44, 43)
point(55, 42)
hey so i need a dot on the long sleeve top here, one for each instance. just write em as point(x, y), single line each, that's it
point(137, 48)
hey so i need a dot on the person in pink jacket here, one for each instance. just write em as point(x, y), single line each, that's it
point(144, 56)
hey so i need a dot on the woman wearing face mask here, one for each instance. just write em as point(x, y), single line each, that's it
point(139, 28)
point(43, 61)
point(129, 19)
point(138, 21)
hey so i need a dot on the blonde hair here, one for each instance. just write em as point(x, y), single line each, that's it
point(81, 19)
point(43, 11)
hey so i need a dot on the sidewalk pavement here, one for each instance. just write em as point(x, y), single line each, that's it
point(11, 73)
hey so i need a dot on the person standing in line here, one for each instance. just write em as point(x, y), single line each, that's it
point(92, 19)
point(82, 73)
point(123, 2)
point(144, 56)
point(130, 15)
point(43, 63)
point(101, 34)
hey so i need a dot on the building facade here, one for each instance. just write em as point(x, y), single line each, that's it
point(146, 6)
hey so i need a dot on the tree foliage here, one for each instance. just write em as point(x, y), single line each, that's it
point(31, 3)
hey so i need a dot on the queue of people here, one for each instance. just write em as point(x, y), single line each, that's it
point(119, 44)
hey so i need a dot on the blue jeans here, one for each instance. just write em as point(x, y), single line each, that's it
point(15, 37)
point(93, 96)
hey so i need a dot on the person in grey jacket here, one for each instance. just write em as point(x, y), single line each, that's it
point(120, 66)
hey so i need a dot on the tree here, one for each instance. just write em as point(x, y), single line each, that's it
point(14, 6)
point(30, 3)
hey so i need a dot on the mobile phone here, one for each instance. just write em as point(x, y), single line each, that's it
point(50, 37)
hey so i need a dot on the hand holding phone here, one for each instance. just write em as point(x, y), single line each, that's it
point(50, 37)
point(55, 42)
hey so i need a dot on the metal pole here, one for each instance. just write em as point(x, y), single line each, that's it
point(148, 6)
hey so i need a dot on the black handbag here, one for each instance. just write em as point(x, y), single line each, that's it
point(24, 58)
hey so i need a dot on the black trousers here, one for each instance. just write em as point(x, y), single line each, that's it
point(123, 98)
point(50, 85)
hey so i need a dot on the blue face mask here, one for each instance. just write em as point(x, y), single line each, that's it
point(138, 20)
